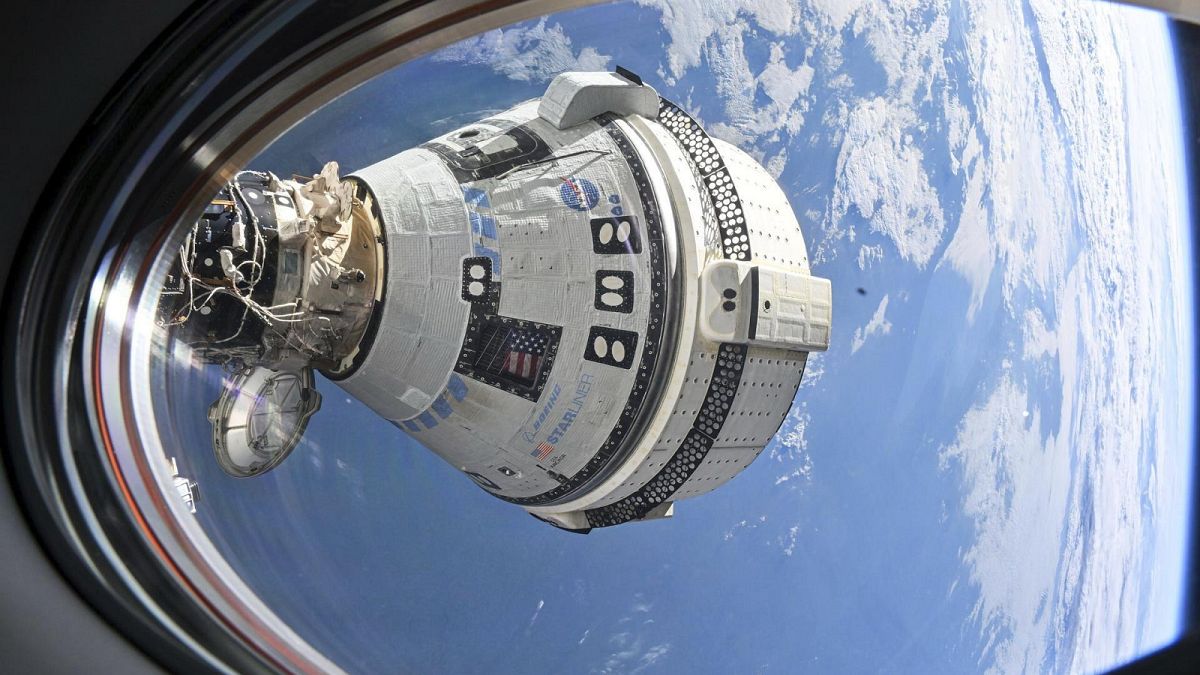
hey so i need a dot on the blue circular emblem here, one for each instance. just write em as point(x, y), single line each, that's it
point(580, 194)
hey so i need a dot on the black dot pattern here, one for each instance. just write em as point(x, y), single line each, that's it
point(722, 205)
point(676, 472)
point(722, 388)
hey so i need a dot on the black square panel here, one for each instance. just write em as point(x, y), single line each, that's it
point(611, 346)
point(509, 354)
point(477, 279)
point(616, 235)
point(614, 291)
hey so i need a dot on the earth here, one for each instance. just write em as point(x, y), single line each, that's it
point(986, 471)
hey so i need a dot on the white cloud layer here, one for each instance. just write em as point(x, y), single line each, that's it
point(631, 651)
point(691, 25)
point(878, 325)
point(880, 174)
point(1048, 149)
point(535, 53)
point(1066, 521)
point(764, 109)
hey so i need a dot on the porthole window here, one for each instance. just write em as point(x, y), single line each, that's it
point(878, 306)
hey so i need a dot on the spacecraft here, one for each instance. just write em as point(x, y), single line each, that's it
point(585, 303)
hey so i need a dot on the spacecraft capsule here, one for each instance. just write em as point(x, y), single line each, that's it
point(584, 303)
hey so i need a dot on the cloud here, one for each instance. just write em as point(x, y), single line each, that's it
point(530, 53)
point(763, 108)
point(1060, 176)
point(743, 524)
point(907, 39)
point(536, 612)
point(790, 447)
point(1063, 507)
point(804, 472)
point(1057, 150)
point(692, 24)
point(632, 653)
point(880, 174)
point(868, 256)
point(652, 655)
point(1018, 504)
point(878, 325)
point(790, 542)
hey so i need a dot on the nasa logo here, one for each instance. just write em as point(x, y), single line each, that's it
point(580, 194)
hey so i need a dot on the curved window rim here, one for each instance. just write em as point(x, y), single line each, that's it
point(219, 86)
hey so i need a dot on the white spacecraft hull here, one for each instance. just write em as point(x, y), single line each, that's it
point(593, 239)
point(585, 304)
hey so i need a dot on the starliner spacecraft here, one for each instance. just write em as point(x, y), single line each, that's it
point(585, 303)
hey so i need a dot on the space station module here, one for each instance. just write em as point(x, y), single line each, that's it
point(585, 304)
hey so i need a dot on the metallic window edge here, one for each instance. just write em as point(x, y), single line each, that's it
point(1185, 10)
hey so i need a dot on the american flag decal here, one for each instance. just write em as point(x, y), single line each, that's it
point(521, 364)
point(523, 352)
point(542, 451)
point(509, 354)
